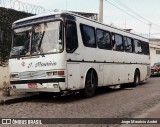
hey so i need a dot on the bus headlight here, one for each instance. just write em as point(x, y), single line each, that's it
point(14, 76)
point(49, 73)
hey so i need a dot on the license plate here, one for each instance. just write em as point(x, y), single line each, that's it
point(32, 85)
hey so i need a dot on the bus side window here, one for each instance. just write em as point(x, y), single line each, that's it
point(71, 36)
point(145, 48)
point(137, 46)
point(103, 39)
point(88, 36)
point(128, 44)
point(118, 42)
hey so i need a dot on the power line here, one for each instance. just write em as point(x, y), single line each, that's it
point(155, 26)
point(126, 12)
point(129, 9)
point(135, 15)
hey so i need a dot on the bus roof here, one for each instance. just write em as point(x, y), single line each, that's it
point(73, 14)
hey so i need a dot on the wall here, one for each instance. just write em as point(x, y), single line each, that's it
point(154, 45)
point(4, 75)
point(154, 57)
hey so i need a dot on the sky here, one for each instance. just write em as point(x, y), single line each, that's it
point(119, 13)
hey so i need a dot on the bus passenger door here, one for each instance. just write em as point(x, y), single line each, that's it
point(73, 76)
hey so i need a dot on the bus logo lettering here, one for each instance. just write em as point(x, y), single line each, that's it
point(23, 64)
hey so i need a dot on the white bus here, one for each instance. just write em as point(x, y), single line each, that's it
point(63, 52)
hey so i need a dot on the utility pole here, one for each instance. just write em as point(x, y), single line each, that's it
point(125, 24)
point(66, 5)
point(100, 10)
point(150, 24)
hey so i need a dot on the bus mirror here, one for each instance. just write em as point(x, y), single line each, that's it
point(60, 42)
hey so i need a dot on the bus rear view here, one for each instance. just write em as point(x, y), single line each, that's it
point(37, 61)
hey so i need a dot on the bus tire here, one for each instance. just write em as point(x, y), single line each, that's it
point(136, 78)
point(90, 84)
point(45, 94)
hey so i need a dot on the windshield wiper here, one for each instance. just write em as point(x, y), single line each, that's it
point(39, 47)
point(41, 52)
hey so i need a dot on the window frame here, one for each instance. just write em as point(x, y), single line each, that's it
point(110, 48)
point(82, 35)
point(157, 52)
point(36, 23)
point(143, 42)
point(113, 42)
point(132, 44)
point(135, 47)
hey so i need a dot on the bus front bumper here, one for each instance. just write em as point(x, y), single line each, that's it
point(39, 87)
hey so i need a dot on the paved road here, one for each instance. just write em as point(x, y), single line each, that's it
point(119, 103)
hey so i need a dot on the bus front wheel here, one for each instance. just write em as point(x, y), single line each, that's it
point(90, 84)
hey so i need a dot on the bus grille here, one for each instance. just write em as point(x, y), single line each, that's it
point(32, 75)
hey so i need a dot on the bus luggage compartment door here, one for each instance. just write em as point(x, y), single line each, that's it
point(73, 76)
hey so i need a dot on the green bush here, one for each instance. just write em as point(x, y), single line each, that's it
point(7, 17)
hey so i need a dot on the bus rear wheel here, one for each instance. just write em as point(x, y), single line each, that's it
point(90, 85)
point(136, 79)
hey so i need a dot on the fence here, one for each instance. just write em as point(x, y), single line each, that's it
point(21, 6)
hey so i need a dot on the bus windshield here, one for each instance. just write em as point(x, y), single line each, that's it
point(36, 39)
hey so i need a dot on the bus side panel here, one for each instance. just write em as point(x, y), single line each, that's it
point(73, 76)
point(143, 72)
point(118, 74)
point(108, 74)
point(129, 70)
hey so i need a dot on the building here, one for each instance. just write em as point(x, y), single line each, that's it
point(154, 50)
